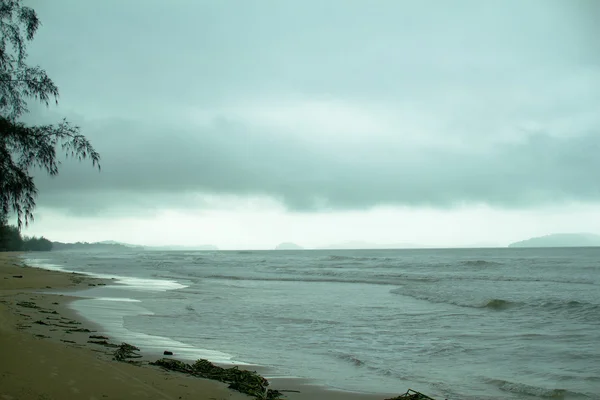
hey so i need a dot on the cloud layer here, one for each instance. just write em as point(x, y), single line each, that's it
point(326, 105)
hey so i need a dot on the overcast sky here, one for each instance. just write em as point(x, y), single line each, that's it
point(247, 123)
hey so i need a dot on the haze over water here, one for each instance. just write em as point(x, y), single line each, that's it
point(457, 324)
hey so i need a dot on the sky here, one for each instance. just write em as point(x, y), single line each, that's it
point(244, 124)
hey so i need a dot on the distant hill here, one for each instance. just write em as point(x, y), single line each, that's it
point(97, 246)
point(288, 246)
point(111, 245)
point(561, 240)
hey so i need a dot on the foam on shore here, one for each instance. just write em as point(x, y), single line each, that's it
point(108, 306)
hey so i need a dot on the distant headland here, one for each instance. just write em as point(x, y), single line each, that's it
point(561, 240)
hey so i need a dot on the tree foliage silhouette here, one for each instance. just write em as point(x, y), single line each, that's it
point(22, 146)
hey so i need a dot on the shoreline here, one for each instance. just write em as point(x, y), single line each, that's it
point(42, 323)
point(52, 359)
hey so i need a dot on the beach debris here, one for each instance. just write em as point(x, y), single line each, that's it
point(70, 321)
point(126, 351)
point(28, 304)
point(48, 312)
point(273, 394)
point(174, 365)
point(17, 276)
point(168, 353)
point(248, 382)
point(63, 326)
point(67, 341)
point(40, 322)
point(98, 337)
point(42, 336)
point(103, 343)
point(411, 395)
point(78, 330)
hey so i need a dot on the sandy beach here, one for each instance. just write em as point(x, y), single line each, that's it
point(47, 354)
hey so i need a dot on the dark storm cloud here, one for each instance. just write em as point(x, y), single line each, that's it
point(433, 104)
point(163, 167)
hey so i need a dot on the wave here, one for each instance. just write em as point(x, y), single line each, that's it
point(350, 359)
point(491, 304)
point(498, 304)
point(573, 308)
point(396, 280)
point(480, 263)
point(536, 391)
point(351, 258)
point(321, 278)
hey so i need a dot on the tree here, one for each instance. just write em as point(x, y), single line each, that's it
point(10, 237)
point(22, 146)
point(36, 244)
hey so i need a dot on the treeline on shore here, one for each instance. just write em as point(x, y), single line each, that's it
point(12, 240)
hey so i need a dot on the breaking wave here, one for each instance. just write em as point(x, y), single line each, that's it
point(575, 309)
point(498, 304)
point(528, 390)
point(492, 304)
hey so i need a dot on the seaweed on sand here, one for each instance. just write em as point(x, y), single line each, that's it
point(126, 351)
point(28, 304)
point(244, 381)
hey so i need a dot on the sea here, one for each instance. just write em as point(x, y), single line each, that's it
point(455, 324)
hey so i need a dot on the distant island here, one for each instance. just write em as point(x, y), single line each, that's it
point(561, 240)
point(288, 246)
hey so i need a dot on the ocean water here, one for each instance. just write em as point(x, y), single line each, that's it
point(456, 324)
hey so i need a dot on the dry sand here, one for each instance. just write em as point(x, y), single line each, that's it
point(45, 353)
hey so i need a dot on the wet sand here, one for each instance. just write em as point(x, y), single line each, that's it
point(46, 353)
